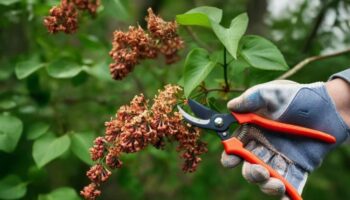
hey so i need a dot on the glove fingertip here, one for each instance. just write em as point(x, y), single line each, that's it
point(246, 102)
point(285, 198)
point(260, 172)
point(234, 104)
point(273, 187)
point(254, 173)
point(229, 161)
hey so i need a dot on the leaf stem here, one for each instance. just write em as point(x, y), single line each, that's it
point(208, 90)
point(227, 85)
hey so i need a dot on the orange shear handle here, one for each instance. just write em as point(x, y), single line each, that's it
point(283, 127)
point(235, 147)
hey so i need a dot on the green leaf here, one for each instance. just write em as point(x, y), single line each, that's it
point(213, 104)
point(10, 132)
point(181, 81)
point(201, 16)
point(81, 142)
point(210, 17)
point(231, 36)
point(37, 130)
point(261, 53)
point(46, 149)
point(90, 41)
point(197, 68)
point(6, 69)
point(99, 71)
point(213, 13)
point(8, 2)
point(120, 8)
point(12, 187)
point(63, 69)
point(26, 68)
point(7, 104)
point(65, 193)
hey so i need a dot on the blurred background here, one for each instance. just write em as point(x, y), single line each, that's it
point(58, 89)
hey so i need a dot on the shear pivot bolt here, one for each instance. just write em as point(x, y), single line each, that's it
point(219, 122)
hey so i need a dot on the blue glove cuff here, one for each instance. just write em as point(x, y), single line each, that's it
point(345, 75)
point(312, 108)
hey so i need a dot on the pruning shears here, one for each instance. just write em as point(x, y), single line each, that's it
point(209, 119)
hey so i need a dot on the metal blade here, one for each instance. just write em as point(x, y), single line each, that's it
point(201, 123)
point(200, 110)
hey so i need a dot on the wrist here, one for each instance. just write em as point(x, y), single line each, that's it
point(339, 90)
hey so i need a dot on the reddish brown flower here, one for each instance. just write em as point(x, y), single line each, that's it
point(62, 18)
point(112, 159)
point(98, 173)
point(130, 47)
point(90, 192)
point(170, 47)
point(90, 5)
point(98, 149)
point(139, 125)
point(166, 32)
point(160, 28)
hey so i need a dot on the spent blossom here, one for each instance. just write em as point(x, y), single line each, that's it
point(90, 192)
point(64, 17)
point(137, 44)
point(139, 125)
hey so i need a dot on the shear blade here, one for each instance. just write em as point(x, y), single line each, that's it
point(202, 123)
point(200, 110)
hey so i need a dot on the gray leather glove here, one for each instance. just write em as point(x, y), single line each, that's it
point(306, 105)
point(256, 142)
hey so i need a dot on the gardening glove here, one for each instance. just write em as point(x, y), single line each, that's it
point(307, 105)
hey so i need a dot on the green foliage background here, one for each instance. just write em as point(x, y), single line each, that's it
point(56, 93)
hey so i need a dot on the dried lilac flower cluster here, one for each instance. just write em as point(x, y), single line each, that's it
point(137, 126)
point(137, 44)
point(64, 17)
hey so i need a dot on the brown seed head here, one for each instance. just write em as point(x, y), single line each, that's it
point(62, 18)
point(98, 173)
point(90, 192)
point(139, 125)
point(90, 5)
point(130, 47)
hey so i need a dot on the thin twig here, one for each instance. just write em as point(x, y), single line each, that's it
point(309, 60)
point(198, 95)
point(223, 90)
point(197, 40)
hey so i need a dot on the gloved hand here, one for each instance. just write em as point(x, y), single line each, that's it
point(307, 105)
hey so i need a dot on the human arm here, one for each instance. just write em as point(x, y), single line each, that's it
point(339, 90)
